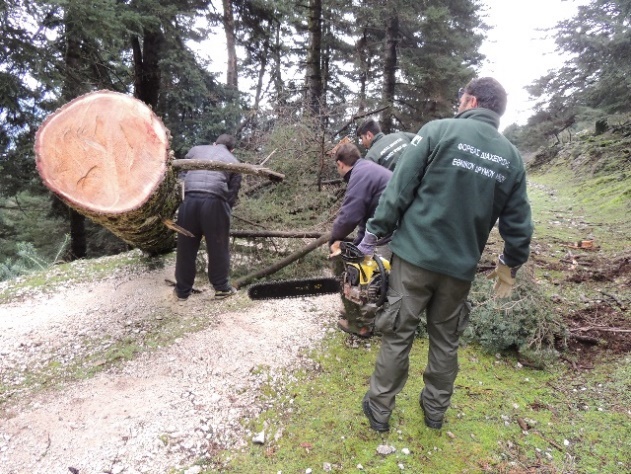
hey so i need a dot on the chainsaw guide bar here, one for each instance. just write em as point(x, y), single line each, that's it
point(294, 288)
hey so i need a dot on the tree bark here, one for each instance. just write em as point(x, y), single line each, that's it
point(282, 263)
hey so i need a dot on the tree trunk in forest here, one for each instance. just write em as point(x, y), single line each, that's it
point(314, 72)
point(363, 55)
point(389, 71)
point(232, 78)
point(261, 76)
point(106, 155)
point(78, 242)
point(147, 73)
point(277, 76)
point(73, 86)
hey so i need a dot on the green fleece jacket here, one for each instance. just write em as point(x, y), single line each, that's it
point(385, 150)
point(451, 185)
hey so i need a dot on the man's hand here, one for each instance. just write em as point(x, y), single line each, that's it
point(367, 245)
point(335, 249)
point(505, 278)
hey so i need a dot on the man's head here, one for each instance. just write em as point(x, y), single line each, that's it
point(484, 92)
point(228, 140)
point(367, 131)
point(345, 157)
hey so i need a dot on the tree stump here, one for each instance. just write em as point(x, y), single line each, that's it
point(107, 156)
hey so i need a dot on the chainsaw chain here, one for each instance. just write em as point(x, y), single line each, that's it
point(293, 288)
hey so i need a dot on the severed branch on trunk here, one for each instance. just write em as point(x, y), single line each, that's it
point(282, 263)
point(273, 233)
point(244, 168)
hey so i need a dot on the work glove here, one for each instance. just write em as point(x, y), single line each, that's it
point(505, 278)
point(335, 249)
point(367, 245)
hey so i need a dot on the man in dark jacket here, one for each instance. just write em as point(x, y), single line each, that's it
point(366, 181)
point(384, 150)
point(453, 183)
point(208, 201)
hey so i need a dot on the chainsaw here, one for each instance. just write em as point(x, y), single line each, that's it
point(364, 281)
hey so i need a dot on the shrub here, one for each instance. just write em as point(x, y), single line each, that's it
point(527, 322)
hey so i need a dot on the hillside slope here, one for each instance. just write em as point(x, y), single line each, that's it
point(581, 194)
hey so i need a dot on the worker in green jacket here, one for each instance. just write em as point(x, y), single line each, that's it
point(383, 149)
point(456, 179)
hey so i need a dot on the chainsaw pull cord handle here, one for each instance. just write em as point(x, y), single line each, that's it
point(384, 281)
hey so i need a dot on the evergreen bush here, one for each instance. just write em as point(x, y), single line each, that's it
point(527, 322)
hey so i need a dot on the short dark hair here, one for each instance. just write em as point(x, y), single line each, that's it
point(228, 140)
point(348, 154)
point(369, 125)
point(489, 92)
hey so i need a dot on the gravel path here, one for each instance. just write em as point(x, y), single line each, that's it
point(162, 409)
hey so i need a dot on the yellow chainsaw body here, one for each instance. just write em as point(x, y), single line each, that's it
point(361, 280)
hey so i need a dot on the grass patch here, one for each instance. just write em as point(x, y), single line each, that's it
point(316, 419)
point(81, 271)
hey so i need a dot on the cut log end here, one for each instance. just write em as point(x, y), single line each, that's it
point(103, 152)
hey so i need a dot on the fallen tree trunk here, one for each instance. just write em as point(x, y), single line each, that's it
point(273, 233)
point(107, 156)
point(282, 263)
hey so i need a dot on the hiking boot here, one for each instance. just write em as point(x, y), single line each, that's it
point(223, 294)
point(374, 424)
point(364, 333)
point(433, 424)
point(177, 298)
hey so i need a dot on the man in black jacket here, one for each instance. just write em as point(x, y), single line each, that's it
point(366, 181)
point(208, 201)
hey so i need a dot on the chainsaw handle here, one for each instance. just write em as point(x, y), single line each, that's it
point(384, 280)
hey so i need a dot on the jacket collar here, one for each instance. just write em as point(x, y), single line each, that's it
point(347, 176)
point(483, 115)
point(376, 138)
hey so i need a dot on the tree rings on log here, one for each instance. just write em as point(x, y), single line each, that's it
point(106, 155)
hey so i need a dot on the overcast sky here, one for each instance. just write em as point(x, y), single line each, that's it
point(518, 51)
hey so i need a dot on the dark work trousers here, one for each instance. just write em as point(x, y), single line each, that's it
point(413, 290)
point(208, 216)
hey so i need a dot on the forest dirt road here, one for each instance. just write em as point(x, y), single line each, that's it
point(169, 405)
